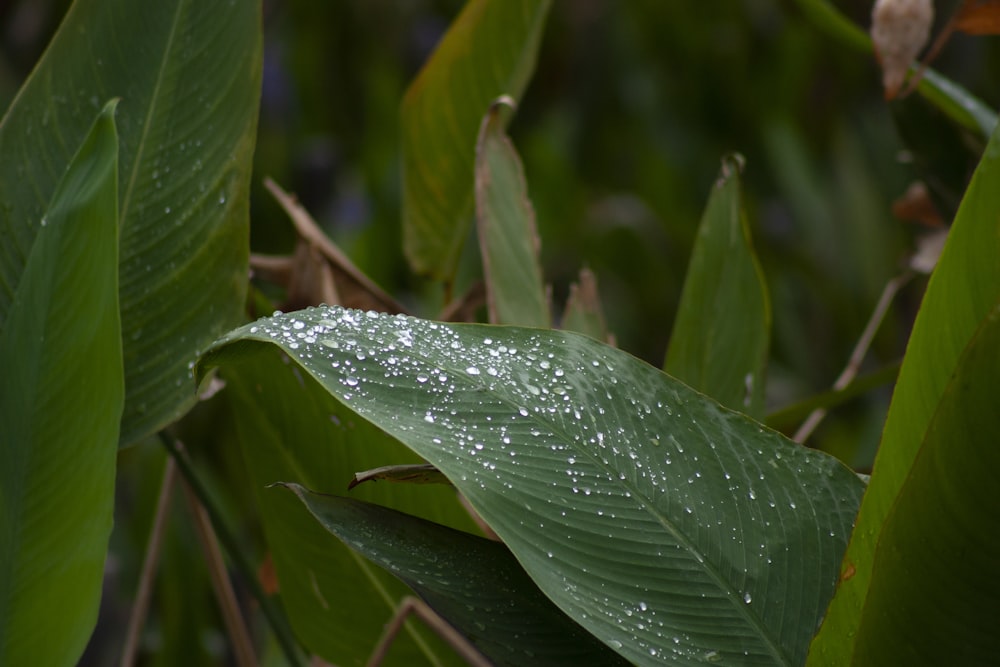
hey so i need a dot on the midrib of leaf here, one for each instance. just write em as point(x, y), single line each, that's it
point(734, 596)
point(140, 148)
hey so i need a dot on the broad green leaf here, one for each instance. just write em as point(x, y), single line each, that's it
point(293, 430)
point(934, 597)
point(473, 583)
point(488, 51)
point(720, 339)
point(962, 290)
point(668, 526)
point(508, 238)
point(61, 397)
point(188, 74)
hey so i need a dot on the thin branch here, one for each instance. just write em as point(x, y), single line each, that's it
point(235, 626)
point(137, 619)
point(272, 611)
point(450, 635)
point(858, 354)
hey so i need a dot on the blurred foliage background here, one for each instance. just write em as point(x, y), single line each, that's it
point(622, 129)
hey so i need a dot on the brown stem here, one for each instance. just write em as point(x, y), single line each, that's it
point(419, 608)
point(858, 354)
point(231, 616)
point(137, 619)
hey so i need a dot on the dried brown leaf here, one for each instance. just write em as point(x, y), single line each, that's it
point(979, 17)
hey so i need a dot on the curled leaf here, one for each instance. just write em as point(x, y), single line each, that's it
point(900, 29)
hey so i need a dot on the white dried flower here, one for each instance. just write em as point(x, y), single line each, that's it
point(900, 29)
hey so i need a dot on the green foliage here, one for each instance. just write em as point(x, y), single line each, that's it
point(600, 473)
point(188, 75)
point(62, 333)
point(720, 339)
point(490, 51)
point(571, 503)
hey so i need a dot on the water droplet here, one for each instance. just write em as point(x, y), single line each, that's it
point(747, 598)
point(472, 370)
point(351, 381)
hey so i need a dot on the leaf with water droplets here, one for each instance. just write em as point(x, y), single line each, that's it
point(669, 527)
point(188, 75)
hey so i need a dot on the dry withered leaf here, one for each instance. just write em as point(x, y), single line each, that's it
point(915, 205)
point(979, 17)
point(325, 266)
point(900, 29)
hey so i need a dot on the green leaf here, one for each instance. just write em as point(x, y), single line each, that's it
point(188, 74)
point(292, 430)
point(669, 527)
point(962, 290)
point(720, 339)
point(61, 396)
point(933, 597)
point(508, 238)
point(473, 583)
point(488, 51)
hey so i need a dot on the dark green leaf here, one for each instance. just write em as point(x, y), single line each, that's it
point(188, 74)
point(669, 527)
point(473, 583)
point(508, 238)
point(489, 51)
point(933, 598)
point(291, 429)
point(61, 397)
point(720, 339)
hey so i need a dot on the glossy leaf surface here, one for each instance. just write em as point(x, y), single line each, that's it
point(188, 75)
point(61, 397)
point(473, 583)
point(669, 527)
point(488, 51)
point(720, 338)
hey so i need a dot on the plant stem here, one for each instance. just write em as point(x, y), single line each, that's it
point(230, 608)
point(137, 619)
point(858, 354)
point(272, 611)
point(419, 608)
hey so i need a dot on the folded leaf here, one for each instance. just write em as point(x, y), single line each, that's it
point(61, 397)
